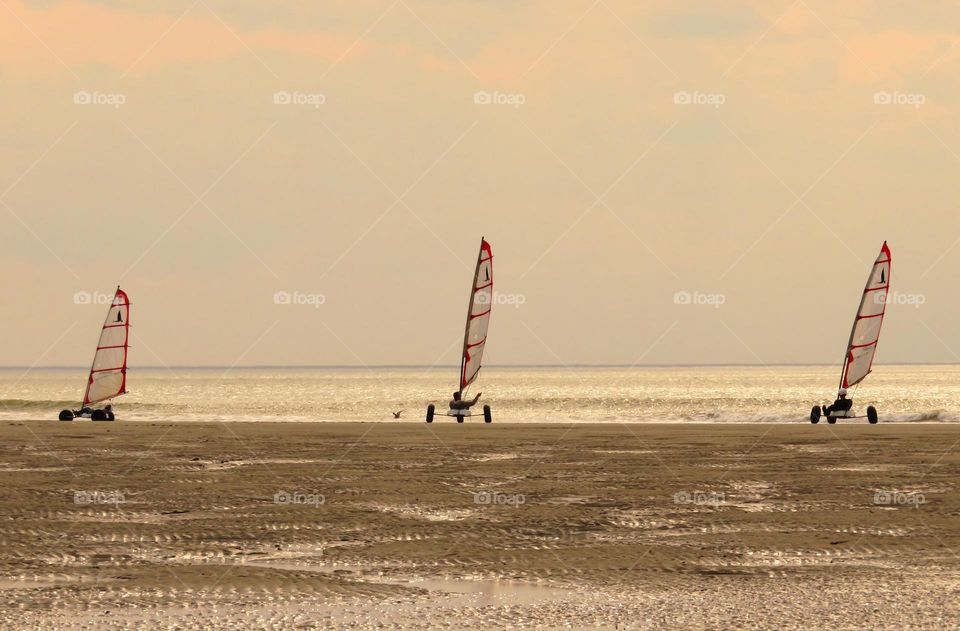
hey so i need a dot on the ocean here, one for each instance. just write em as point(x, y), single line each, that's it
point(714, 394)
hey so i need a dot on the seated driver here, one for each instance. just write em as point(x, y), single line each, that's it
point(459, 403)
point(842, 404)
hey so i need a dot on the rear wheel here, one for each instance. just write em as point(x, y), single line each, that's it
point(66, 415)
point(832, 420)
point(872, 415)
point(815, 414)
point(99, 415)
point(430, 410)
point(487, 415)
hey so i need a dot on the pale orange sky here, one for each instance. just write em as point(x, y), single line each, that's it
point(602, 195)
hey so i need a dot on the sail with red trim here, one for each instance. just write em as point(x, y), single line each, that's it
point(866, 326)
point(108, 375)
point(478, 316)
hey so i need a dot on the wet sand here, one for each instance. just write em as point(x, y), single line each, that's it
point(355, 525)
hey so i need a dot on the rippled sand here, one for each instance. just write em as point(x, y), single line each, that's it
point(273, 525)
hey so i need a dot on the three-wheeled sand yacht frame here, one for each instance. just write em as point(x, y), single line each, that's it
point(816, 414)
point(460, 415)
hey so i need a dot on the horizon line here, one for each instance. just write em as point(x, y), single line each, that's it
point(452, 366)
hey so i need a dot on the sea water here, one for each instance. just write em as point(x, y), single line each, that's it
point(714, 394)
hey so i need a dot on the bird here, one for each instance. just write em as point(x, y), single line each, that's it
point(397, 414)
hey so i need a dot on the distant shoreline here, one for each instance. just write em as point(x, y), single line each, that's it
point(444, 367)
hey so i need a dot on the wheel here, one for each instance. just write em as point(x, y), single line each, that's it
point(832, 420)
point(459, 418)
point(487, 416)
point(98, 415)
point(815, 414)
point(66, 415)
point(430, 410)
point(872, 415)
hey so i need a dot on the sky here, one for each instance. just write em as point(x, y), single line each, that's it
point(308, 183)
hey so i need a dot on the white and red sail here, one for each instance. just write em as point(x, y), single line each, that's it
point(108, 375)
point(478, 316)
point(866, 326)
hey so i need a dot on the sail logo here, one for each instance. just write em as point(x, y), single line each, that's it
point(899, 98)
point(309, 99)
point(898, 498)
point(92, 298)
point(699, 299)
point(99, 98)
point(897, 298)
point(298, 299)
point(484, 97)
point(696, 97)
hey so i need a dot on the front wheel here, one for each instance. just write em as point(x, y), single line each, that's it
point(66, 415)
point(832, 420)
point(872, 415)
point(430, 410)
point(815, 414)
point(487, 415)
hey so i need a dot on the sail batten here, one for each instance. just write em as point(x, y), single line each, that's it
point(108, 373)
point(478, 316)
point(862, 346)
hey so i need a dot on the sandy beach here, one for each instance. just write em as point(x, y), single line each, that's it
point(363, 525)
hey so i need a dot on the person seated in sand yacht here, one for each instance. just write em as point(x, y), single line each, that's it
point(109, 411)
point(842, 404)
point(459, 403)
